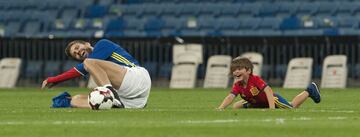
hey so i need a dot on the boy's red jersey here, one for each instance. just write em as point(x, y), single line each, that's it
point(253, 93)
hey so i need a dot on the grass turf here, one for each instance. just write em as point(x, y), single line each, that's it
point(178, 113)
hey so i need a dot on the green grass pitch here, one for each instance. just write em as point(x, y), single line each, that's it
point(26, 112)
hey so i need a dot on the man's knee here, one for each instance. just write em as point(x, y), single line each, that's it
point(89, 62)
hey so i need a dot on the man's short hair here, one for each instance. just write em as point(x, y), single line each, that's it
point(68, 47)
point(240, 63)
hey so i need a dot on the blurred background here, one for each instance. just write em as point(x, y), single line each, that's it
point(37, 32)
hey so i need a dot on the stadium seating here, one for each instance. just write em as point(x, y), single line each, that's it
point(217, 70)
point(298, 73)
point(9, 71)
point(334, 72)
point(249, 17)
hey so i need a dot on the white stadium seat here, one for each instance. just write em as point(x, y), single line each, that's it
point(195, 49)
point(298, 73)
point(334, 73)
point(9, 72)
point(256, 59)
point(186, 59)
point(217, 70)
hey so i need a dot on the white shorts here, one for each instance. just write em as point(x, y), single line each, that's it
point(135, 87)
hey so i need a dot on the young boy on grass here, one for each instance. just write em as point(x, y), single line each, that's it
point(255, 93)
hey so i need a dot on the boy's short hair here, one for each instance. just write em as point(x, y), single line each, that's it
point(240, 63)
point(68, 47)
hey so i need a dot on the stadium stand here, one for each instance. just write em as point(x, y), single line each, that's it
point(298, 74)
point(280, 18)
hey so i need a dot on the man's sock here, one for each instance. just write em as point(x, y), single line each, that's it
point(118, 103)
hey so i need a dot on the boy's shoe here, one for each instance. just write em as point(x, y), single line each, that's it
point(314, 92)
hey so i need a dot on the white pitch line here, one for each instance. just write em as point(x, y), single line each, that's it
point(73, 122)
point(275, 120)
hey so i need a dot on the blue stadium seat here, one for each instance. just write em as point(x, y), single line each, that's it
point(106, 2)
point(249, 9)
point(210, 10)
point(132, 11)
point(67, 15)
point(290, 23)
point(96, 11)
point(269, 23)
point(152, 10)
point(170, 10)
point(307, 9)
point(190, 9)
point(268, 9)
point(114, 28)
point(228, 24)
point(287, 9)
point(230, 10)
point(31, 28)
point(172, 26)
point(346, 8)
point(153, 27)
point(347, 22)
point(134, 27)
point(249, 23)
point(326, 8)
point(12, 28)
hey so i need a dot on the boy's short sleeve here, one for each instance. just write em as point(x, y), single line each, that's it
point(259, 83)
point(235, 90)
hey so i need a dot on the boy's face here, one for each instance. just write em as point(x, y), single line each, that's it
point(80, 51)
point(241, 75)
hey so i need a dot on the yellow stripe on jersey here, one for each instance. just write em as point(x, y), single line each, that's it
point(122, 59)
point(126, 60)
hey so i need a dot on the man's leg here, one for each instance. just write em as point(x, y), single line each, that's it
point(105, 72)
point(80, 101)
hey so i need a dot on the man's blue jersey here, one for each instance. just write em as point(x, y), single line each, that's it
point(109, 51)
